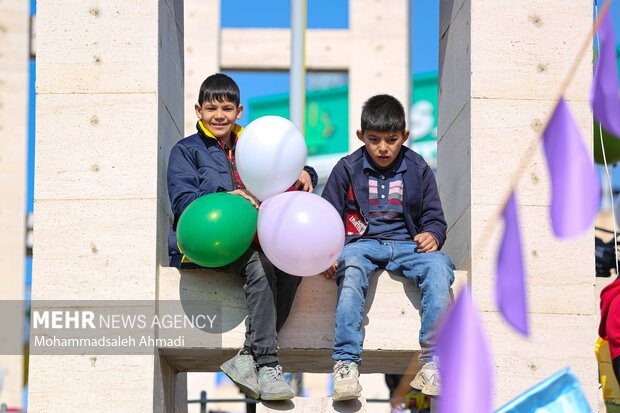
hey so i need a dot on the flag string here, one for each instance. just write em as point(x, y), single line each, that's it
point(492, 224)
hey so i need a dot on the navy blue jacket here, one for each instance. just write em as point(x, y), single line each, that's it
point(347, 191)
point(199, 166)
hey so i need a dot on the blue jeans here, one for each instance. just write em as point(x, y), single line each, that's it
point(432, 272)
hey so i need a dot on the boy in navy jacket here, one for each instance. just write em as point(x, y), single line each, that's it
point(389, 203)
point(204, 163)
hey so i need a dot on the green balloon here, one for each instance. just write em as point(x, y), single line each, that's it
point(216, 229)
point(612, 146)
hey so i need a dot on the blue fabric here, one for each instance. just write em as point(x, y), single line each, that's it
point(197, 166)
point(422, 207)
point(560, 393)
point(432, 272)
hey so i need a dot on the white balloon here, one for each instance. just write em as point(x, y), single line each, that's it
point(270, 155)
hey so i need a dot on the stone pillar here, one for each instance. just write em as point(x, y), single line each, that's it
point(202, 51)
point(379, 62)
point(14, 53)
point(109, 107)
point(501, 66)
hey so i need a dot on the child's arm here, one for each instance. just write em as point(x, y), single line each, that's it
point(426, 242)
point(431, 219)
point(185, 183)
point(335, 193)
point(247, 195)
point(331, 271)
point(183, 180)
point(336, 188)
point(304, 182)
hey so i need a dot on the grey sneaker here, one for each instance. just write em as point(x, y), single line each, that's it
point(346, 381)
point(272, 384)
point(427, 379)
point(242, 370)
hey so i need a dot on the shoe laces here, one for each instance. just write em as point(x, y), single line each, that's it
point(343, 369)
point(430, 371)
point(274, 373)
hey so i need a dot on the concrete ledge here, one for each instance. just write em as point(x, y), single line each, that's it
point(390, 326)
point(313, 405)
point(294, 360)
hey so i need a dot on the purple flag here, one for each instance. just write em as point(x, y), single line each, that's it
point(604, 94)
point(510, 282)
point(465, 365)
point(575, 186)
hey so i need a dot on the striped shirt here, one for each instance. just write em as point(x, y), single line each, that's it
point(385, 198)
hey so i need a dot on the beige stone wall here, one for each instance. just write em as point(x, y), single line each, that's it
point(109, 107)
point(501, 66)
point(378, 33)
point(14, 54)
point(379, 48)
point(202, 52)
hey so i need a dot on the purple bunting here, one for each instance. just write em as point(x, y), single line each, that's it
point(604, 94)
point(510, 281)
point(575, 186)
point(465, 365)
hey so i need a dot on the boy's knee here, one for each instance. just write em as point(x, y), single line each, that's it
point(352, 278)
point(441, 260)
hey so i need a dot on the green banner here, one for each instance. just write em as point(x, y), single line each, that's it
point(327, 117)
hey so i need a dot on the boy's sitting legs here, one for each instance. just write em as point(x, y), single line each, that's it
point(433, 274)
point(261, 376)
point(286, 289)
point(355, 267)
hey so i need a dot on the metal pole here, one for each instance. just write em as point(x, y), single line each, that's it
point(203, 402)
point(297, 105)
point(250, 407)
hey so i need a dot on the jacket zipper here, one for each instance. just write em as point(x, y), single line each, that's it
point(228, 161)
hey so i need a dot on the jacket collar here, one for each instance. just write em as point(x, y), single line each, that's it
point(411, 180)
point(206, 132)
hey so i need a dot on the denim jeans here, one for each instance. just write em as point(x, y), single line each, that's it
point(269, 294)
point(432, 273)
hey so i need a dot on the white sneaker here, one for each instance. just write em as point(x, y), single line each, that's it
point(427, 380)
point(272, 384)
point(346, 381)
point(242, 370)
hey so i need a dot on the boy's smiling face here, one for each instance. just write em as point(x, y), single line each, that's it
point(219, 117)
point(383, 147)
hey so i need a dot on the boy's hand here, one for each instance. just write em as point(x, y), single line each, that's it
point(426, 242)
point(330, 273)
point(247, 195)
point(304, 182)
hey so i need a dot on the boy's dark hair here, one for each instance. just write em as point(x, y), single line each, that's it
point(219, 87)
point(383, 113)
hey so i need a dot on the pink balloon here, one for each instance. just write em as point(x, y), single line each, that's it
point(300, 232)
